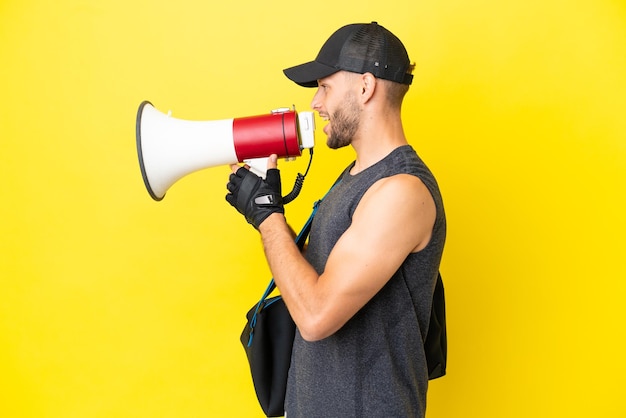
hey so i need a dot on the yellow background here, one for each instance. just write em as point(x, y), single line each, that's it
point(113, 305)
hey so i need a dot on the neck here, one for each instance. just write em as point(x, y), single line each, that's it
point(377, 137)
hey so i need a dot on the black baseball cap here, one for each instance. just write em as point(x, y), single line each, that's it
point(358, 48)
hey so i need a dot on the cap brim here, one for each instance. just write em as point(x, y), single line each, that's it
point(306, 75)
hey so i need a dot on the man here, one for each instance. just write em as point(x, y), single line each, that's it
point(361, 296)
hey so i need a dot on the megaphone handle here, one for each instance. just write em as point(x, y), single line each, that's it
point(258, 166)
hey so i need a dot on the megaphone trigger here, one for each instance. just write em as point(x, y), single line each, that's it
point(257, 165)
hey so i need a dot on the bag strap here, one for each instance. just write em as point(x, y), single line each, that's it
point(300, 240)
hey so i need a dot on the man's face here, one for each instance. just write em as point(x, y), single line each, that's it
point(336, 103)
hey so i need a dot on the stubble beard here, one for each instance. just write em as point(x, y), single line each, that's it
point(344, 124)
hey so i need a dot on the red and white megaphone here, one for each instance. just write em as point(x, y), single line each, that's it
point(170, 148)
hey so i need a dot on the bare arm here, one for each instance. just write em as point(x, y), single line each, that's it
point(394, 218)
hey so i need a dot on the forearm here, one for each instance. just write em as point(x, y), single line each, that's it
point(294, 276)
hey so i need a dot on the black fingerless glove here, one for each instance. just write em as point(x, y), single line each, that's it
point(254, 197)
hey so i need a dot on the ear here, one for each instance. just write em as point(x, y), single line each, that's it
point(368, 86)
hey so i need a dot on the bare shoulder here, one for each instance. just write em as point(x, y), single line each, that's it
point(401, 205)
point(407, 183)
point(397, 192)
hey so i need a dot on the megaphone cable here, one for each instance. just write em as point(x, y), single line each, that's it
point(297, 187)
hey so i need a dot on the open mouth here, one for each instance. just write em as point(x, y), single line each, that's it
point(325, 118)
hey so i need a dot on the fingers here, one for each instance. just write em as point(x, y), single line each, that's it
point(238, 173)
point(272, 161)
point(234, 180)
point(273, 179)
point(234, 167)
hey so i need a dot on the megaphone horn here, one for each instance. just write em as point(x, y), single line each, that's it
point(170, 148)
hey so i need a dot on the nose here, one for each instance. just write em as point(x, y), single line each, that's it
point(315, 102)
